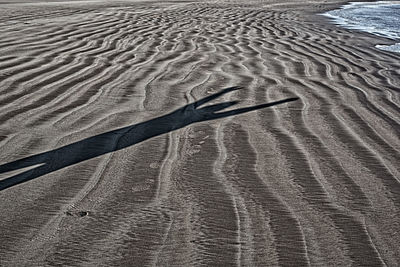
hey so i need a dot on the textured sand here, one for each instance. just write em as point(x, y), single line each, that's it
point(106, 161)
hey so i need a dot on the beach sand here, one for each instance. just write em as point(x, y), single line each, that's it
point(135, 134)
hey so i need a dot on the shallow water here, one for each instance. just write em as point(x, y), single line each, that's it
point(380, 18)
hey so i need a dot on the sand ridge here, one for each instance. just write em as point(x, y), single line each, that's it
point(106, 158)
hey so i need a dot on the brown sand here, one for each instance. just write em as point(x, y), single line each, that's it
point(98, 170)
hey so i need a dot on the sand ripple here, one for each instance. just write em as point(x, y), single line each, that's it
point(311, 182)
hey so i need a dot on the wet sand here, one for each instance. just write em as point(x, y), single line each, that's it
point(195, 133)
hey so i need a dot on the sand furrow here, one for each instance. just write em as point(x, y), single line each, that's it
point(352, 232)
point(56, 35)
point(345, 136)
point(239, 170)
point(92, 54)
point(213, 236)
point(55, 94)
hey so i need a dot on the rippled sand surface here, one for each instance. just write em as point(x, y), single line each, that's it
point(195, 133)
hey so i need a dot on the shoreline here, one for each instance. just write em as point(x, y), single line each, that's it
point(379, 40)
point(384, 30)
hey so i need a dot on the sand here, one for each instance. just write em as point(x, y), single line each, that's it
point(195, 133)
